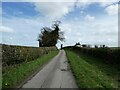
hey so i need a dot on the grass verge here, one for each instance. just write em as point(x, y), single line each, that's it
point(13, 76)
point(88, 75)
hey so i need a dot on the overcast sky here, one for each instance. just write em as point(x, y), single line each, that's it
point(83, 21)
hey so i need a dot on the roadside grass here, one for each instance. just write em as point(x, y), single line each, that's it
point(87, 74)
point(13, 76)
point(111, 70)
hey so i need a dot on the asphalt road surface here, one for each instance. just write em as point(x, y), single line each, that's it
point(56, 74)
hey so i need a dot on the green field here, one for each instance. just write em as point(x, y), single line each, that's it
point(92, 73)
point(14, 75)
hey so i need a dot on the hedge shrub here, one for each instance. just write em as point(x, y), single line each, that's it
point(18, 54)
point(108, 55)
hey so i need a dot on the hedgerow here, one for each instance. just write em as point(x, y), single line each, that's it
point(108, 55)
point(18, 54)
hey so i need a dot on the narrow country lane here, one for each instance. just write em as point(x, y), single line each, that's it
point(56, 74)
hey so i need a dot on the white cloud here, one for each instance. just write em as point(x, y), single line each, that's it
point(25, 30)
point(89, 18)
point(6, 29)
point(83, 3)
point(112, 10)
point(105, 3)
point(91, 33)
point(54, 10)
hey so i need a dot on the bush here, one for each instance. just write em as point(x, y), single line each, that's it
point(18, 54)
point(108, 55)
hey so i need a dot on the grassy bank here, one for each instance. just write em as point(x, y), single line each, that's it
point(13, 76)
point(90, 73)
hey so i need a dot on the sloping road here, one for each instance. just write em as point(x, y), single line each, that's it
point(56, 74)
